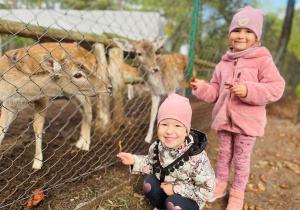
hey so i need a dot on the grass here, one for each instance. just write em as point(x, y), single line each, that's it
point(131, 197)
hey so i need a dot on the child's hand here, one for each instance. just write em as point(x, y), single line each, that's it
point(195, 84)
point(239, 90)
point(167, 188)
point(127, 158)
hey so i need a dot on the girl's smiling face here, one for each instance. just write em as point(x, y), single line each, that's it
point(241, 39)
point(171, 133)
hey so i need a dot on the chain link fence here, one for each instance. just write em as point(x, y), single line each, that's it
point(58, 120)
point(77, 84)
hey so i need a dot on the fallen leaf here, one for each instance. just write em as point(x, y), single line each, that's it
point(285, 186)
point(263, 178)
point(295, 200)
point(271, 202)
point(228, 86)
point(261, 187)
point(251, 207)
point(252, 176)
point(294, 160)
point(296, 170)
point(188, 84)
point(36, 198)
point(250, 186)
point(258, 208)
point(120, 146)
point(129, 187)
point(98, 207)
point(212, 161)
point(245, 206)
point(263, 162)
point(252, 189)
point(110, 202)
point(271, 163)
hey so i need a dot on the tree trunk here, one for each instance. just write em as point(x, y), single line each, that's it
point(286, 29)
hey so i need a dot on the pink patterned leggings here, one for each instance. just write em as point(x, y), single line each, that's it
point(236, 147)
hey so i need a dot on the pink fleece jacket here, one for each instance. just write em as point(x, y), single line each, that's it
point(243, 115)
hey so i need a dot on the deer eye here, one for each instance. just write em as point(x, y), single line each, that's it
point(139, 54)
point(78, 75)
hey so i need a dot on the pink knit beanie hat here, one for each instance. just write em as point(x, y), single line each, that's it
point(176, 107)
point(248, 17)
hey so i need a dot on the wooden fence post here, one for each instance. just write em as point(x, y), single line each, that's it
point(116, 61)
point(103, 114)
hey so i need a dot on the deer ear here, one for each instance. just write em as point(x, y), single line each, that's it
point(159, 41)
point(14, 56)
point(52, 65)
point(65, 55)
point(124, 44)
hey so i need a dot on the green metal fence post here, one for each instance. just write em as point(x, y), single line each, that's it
point(193, 34)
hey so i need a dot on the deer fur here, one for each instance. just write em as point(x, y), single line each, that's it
point(163, 74)
point(33, 74)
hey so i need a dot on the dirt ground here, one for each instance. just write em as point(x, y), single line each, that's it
point(274, 182)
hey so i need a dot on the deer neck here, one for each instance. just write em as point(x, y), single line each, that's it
point(30, 87)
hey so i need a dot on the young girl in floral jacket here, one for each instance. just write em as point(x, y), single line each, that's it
point(182, 177)
point(243, 83)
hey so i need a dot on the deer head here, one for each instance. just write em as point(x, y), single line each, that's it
point(50, 69)
point(73, 77)
point(144, 51)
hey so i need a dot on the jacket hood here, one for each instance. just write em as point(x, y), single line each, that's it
point(200, 141)
point(260, 52)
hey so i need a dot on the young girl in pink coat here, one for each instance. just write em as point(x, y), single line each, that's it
point(243, 83)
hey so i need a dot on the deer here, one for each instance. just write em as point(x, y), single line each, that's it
point(34, 74)
point(163, 74)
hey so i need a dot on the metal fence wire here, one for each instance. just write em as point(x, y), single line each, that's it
point(74, 85)
point(77, 83)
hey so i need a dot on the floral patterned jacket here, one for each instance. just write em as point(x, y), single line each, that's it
point(194, 178)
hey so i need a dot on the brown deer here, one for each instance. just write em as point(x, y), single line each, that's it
point(163, 74)
point(33, 74)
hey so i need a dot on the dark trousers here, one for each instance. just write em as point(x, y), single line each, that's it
point(161, 200)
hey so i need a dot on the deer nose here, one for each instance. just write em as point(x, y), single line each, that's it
point(109, 88)
point(155, 70)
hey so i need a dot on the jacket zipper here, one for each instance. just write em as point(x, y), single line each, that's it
point(229, 100)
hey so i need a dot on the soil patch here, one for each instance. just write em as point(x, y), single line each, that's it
point(71, 177)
